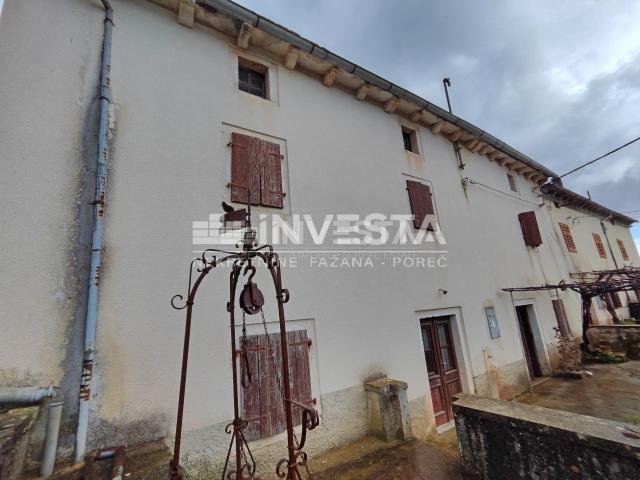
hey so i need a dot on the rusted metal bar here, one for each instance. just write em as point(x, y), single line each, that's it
point(251, 302)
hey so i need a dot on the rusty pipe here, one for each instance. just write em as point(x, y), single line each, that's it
point(91, 318)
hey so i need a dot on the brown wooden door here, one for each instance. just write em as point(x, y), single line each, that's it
point(442, 366)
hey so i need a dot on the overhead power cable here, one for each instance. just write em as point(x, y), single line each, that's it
point(475, 182)
point(601, 157)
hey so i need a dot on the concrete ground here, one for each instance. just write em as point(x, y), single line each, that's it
point(368, 458)
point(373, 459)
point(613, 392)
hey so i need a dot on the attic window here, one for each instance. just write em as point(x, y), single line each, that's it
point(252, 77)
point(410, 140)
point(512, 182)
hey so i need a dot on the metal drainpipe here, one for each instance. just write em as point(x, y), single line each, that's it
point(606, 237)
point(97, 241)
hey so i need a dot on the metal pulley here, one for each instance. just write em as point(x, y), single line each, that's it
point(251, 298)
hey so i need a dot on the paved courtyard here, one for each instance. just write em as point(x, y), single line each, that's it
point(612, 393)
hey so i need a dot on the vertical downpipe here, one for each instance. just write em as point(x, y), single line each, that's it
point(97, 240)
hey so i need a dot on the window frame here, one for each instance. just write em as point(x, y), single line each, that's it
point(413, 139)
point(246, 59)
point(513, 186)
point(250, 87)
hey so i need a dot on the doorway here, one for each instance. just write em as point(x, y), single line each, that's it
point(443, 375)
point(528, 341)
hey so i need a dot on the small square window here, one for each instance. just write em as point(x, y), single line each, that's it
point(410, 140)
point(252, 78)
point(513, 185)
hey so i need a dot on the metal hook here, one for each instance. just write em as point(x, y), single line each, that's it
point(250, 268)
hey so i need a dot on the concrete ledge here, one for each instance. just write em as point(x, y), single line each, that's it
point(500, 439)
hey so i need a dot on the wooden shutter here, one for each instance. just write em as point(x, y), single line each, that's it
point(421, 202)
point(623, 250)
point(299, 372)
point(271, 175)
point(615, 298)
point(530, 230)
point(599, 245)
point(561, 317)
point(262, 404)
point(568, 238)
point(251, 393)
point(245, 168)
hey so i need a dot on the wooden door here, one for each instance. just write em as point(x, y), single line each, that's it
point(442, 366)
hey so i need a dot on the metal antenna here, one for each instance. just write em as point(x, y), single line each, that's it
point(447, 83)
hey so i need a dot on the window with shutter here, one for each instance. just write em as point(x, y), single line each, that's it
point(561, 317)
point(262, 405)
point(623, 250)
point(513, 184)
point(615, 300)
point(599, 245)
point(530, 229)
point(568, 238)
point(421, 203)
point(256, 165)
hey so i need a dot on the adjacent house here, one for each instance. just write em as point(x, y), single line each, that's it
point(209, 98)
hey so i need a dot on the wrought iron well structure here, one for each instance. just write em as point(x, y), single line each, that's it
point(240, 463)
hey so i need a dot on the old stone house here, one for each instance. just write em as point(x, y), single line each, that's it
point(191, 81)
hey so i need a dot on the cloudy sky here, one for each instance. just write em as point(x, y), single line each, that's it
point(558, 80)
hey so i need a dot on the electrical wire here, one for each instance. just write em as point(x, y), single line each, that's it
point(601, 157)
point(475, 182)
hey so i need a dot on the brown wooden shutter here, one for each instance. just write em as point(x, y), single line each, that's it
point(530, 230)
point(568, 238)
point(245, 168)
point(262, 404)
point(251, 394)
point(299, 372)
point(271, 175)
point(421, 202)
point(561, 317)
point(615, 297)
point(599, 245)
point(623, 250)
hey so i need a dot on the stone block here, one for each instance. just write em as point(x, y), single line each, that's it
point(388, 407)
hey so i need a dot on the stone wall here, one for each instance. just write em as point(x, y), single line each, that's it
point(500, 439)
point(618, 338)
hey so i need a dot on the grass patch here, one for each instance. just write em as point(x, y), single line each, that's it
point(635, 419)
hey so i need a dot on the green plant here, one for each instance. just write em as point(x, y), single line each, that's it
point(610, 357)
point(631, 419)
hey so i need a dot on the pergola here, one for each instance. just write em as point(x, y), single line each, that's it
point(590, 285)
